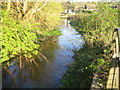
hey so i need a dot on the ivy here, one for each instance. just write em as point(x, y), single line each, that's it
point(16, 39)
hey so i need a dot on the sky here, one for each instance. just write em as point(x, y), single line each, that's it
point(63, 0)
point(93, 0)
point(85, 0)
point(89, 0)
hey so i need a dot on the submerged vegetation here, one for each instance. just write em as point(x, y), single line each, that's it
point(25, 24)
point(94, 58)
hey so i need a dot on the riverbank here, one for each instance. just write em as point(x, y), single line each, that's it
point(50, 64)
point(23, 29)
point(42, 39)
point(95, 57)
point(88, 61)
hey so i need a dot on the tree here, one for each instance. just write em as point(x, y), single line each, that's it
point(21, 22)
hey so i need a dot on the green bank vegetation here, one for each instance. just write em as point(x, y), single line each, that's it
point(24, 25)
point(94, 58)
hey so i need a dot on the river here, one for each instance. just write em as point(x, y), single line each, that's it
point(47, 75)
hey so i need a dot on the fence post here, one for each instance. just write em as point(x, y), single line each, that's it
point(114, 77)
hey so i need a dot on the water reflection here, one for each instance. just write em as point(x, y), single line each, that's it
point(42, 74)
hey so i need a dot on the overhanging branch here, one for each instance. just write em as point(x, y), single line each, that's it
point(40, 7)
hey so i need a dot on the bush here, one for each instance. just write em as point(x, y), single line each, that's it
point(16, 39)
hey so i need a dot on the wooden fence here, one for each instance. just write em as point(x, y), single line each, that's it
point(113, 81)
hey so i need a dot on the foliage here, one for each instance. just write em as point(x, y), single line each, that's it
point(49, 17)
point(25, 24)
point(98, 25)
point(95, 57)
point(87, 61)
point(47, 34)
point(87, 11)
point(16, 39)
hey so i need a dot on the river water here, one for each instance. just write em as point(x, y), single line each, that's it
point(47, 75)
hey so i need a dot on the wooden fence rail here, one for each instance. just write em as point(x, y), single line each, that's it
point(113, 81)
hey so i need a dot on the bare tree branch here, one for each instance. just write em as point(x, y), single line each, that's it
point(18, 6)
point(44, 57)
point(8, 5)
point(41, 7)
point(25, 6)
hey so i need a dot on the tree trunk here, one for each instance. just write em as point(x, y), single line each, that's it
point(8, 5)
